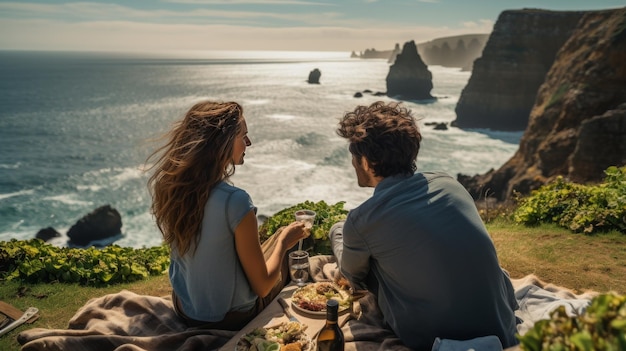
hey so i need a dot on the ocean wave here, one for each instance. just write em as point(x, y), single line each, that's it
point(255, 102)
point(10, 166)
point(128, 174)
point(93, 188)
point(17, 193)
point(282, 117)
point(68, 199)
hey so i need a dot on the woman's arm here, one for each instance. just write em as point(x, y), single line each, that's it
point(263, 275)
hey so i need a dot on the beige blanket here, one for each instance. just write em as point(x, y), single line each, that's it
point(126, 321)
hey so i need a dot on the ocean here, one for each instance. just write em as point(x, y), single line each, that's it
point(76, 129)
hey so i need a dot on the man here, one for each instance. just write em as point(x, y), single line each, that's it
point(418, 243)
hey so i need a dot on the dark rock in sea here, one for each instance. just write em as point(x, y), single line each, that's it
point(102, 223)
point(314, 76)
point(408, 77)
point(441, 126)
point(358, 94)
point(46, 234)
point(577, 126)
point(380, 93)
point(505, 79)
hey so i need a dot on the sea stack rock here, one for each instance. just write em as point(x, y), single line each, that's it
point(409, 78)
point(314, 76)
point(102, 223)
point(577, 126)
point(505, 79)
point(48, 233)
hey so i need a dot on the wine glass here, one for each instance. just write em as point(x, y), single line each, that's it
point(307, 217)
point(299, 267)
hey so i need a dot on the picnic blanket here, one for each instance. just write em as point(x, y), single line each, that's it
point(126, 321)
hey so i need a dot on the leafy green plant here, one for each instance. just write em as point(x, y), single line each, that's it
point(326, 216)
point(37, 262)
point(601, 327)
point(578, 207)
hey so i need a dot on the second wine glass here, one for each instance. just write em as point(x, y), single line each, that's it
point(307, 217)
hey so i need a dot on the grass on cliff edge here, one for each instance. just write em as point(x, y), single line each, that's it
point(575, 261)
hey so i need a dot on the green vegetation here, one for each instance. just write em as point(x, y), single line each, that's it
point(326, 216)
point(578, 207)
point(601, 327)
point(34, 261)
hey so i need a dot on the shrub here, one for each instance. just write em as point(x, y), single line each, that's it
point(37, 262)
point(601, 327)
point(326, 216)
point(578, 207)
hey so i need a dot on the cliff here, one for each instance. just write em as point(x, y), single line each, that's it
point(456, 51)
point(504, 82)
point(577, 126)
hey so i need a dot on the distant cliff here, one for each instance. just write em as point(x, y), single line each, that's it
point(577, 126)
point(504, 82)
point(456, 51)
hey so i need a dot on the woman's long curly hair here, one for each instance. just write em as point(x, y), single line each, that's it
point(386, 134)
point(195, 158)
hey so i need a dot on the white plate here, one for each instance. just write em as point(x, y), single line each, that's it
point(322, 312)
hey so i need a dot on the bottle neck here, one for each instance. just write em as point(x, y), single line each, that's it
point(332, 316)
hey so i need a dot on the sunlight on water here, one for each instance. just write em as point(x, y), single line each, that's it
point(260, 54)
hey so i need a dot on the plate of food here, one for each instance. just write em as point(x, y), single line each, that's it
point(312, 298)
point(289, 336)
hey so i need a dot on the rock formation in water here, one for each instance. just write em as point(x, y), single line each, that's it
point(505, 79)
point(102, 223)
point(377, 54)
point(577, 126)
point(314, 76)
point(409, 78)
point(47, 233)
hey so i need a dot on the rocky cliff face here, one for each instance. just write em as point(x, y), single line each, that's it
point(577, 126)
point(409, 78)
point(514, 63)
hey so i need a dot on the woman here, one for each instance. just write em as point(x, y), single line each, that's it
point(220, 274)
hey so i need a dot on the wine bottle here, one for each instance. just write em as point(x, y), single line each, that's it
point(330, 337)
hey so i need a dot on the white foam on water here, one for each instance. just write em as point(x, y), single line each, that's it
point(10, 166)
point(282, 117)
point(17, 193)
point(68, 199)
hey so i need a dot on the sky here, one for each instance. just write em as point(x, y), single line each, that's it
point(291, 25)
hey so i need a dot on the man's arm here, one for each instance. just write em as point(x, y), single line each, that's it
point(355, 258)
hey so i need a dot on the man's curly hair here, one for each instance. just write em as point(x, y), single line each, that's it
point(386, 134)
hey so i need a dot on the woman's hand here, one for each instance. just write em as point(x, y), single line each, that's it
point(292, 233)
